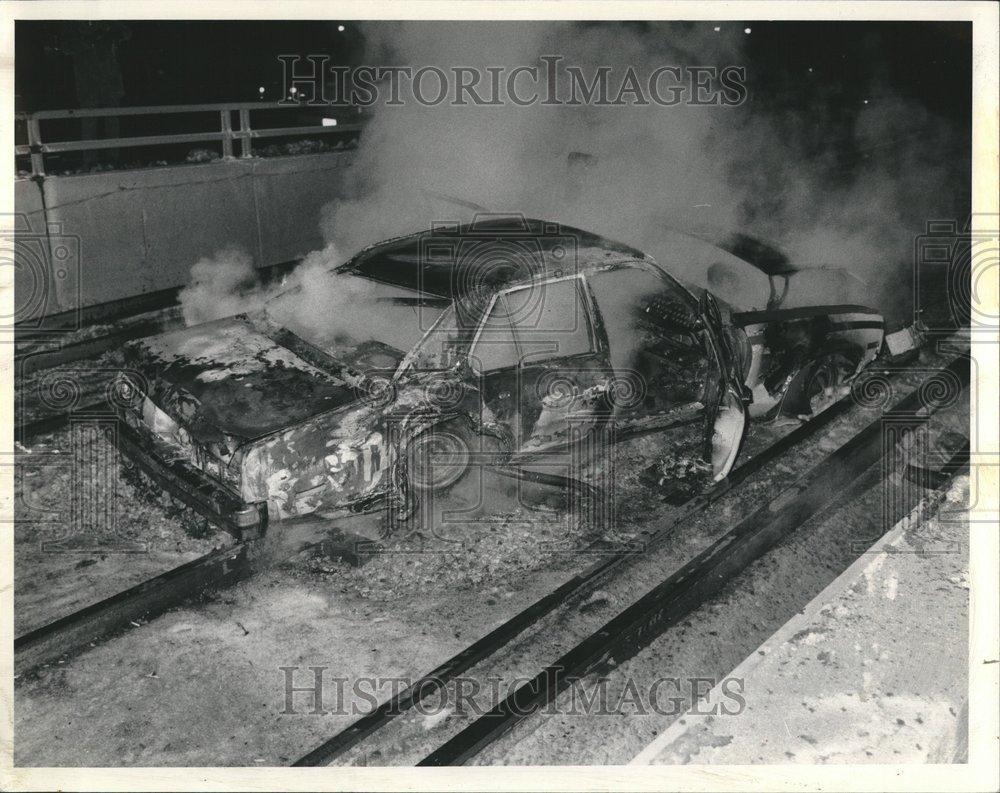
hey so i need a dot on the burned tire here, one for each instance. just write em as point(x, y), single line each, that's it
point(820, 385)
point(438, 457)
point(440, 460)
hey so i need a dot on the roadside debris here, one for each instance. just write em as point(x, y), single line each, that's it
point(596, 600)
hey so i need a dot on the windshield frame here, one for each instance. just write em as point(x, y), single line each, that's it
point(410, 358)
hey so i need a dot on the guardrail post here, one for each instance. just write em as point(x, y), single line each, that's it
point(227, 134)
point(35, 145)
point(245, 142)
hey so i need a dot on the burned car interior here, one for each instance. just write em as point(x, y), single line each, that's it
point(536, 392)
point(523, 335)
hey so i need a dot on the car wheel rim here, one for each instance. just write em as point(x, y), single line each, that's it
point(437, 459)
point(829, 384)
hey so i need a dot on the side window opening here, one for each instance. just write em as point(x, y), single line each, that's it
point(495, 346)
point(551, 320)
point(653, 335)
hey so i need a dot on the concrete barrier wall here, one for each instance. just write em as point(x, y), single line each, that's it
point(127, 233)
point(27, 245)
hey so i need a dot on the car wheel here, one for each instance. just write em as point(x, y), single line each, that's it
point(438, 458)
point(828, 383)
point(818, 385)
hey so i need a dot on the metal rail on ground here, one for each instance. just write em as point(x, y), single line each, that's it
point(156, 595)
point(78, 630)
point(153, 596)
point(580, 584)
point(705, 575)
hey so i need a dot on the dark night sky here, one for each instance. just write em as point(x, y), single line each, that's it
point(818, 75)
point(186, 62)
point(850, 106)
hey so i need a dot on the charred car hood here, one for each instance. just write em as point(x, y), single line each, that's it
point(241, 377)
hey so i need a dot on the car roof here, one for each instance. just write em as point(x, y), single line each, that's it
point(765, 256)
point(456, 261)
point(491, 252)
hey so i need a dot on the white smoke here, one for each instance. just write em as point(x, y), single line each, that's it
point(221, 285)
point(779, 174)
point(311, 296)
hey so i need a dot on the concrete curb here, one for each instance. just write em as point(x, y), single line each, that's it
point(702, 737)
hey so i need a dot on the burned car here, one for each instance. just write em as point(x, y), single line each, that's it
point(502, 340)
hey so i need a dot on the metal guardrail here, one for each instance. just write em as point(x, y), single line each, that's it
point(244, 133)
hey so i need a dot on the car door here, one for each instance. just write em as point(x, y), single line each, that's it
point(542, 366)
point(663, 363)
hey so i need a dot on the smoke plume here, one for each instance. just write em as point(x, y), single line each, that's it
point(221, 285)
point(833, 188)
